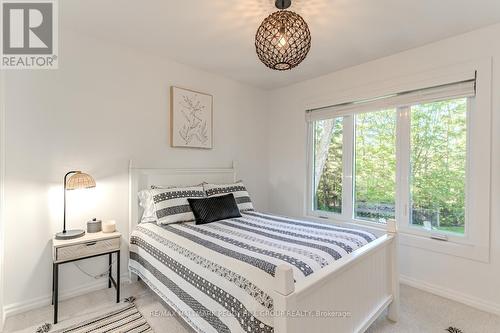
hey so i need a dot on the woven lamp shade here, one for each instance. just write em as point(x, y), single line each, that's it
point(283, 40)
point(80, 180)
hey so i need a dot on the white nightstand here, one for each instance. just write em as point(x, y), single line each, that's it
point(89, 246)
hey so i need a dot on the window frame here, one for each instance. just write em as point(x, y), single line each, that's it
point(402, 181)
point(403, 177)
point(353, 183)
point(348, 155)
point(474, 243)
point(313, 165)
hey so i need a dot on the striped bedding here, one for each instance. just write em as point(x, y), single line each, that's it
point(219, 276)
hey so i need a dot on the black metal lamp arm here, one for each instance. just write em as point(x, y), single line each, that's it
point(65, 179)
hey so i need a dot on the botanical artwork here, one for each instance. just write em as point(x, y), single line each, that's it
point(191, 118)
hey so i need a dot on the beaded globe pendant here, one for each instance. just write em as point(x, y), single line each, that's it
point(283, 39)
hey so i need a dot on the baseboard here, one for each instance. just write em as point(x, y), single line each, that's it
point(20, 307)
point(453, 295)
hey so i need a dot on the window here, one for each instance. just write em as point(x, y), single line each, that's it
point(404, 158)
point(422, 157)
point(328, 165)
point(438, 165)
point(375, 166)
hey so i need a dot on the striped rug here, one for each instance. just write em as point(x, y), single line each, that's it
point(126, 319)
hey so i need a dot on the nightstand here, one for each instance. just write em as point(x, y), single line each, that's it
point(89, 246)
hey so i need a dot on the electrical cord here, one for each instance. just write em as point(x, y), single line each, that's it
point(98, 276)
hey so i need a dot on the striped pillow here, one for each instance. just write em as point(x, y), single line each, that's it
point(237, 189)
point(172, 206)
point(157, 187)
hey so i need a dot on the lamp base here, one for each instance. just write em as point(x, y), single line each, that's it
point(70, 234)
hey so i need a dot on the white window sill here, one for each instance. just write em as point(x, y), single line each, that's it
point(458, 249)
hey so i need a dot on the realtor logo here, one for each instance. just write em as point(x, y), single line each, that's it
point(29, 34)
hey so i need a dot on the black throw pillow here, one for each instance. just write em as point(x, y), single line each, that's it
point(213, 209)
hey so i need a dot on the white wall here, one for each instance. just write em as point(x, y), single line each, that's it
point(2, 177)
point(103, 106)
point(469, 281)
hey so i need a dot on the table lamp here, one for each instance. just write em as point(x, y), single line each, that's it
point(78, 180)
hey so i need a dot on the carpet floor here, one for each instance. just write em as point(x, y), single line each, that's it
point(420, 312)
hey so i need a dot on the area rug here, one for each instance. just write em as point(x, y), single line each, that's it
point(123, 319)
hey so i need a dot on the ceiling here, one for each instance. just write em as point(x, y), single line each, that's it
point(218, 35)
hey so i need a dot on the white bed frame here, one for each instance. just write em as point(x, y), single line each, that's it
point(349, 293)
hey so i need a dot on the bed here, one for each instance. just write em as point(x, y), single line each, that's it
point(262, 272)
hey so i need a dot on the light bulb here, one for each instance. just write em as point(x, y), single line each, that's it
point(282, 37)
point(282, 41)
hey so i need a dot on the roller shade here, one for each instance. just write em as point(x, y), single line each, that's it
point(466, 88)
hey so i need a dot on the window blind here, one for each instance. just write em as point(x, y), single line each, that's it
point(466, 88)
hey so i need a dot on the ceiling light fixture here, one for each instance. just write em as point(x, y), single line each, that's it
point(283, 39)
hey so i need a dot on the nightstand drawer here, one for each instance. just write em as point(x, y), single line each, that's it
point(87, 249)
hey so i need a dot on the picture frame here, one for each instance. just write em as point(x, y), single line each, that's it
point(191, 118)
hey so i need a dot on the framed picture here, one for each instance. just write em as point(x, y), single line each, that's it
point(191, 118)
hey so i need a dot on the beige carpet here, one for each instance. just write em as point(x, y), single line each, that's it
point(421, 312)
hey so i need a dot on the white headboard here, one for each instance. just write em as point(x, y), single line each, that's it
point(141, 179)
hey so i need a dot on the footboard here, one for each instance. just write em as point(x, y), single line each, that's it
point(346, 296)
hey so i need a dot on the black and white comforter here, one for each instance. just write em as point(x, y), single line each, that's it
point(219, 276)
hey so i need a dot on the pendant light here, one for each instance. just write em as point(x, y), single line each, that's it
point(283, 39)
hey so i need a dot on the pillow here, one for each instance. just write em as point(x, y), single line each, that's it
point(213, 209)
point(155, 187)
point(237, 189)
point(148, 205)
point(172, 206)
point(162, 187)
